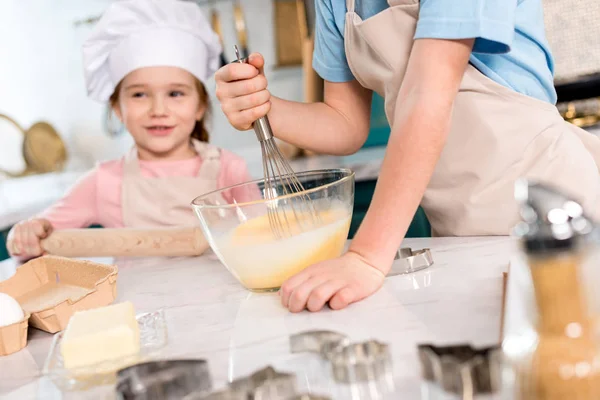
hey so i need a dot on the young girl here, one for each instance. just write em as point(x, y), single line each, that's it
point(469, 95)
point(150, 59)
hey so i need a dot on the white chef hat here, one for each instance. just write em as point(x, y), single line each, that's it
point(143, 33)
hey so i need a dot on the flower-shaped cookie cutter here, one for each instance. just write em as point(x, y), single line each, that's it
point(361, 362)
point(350, 362)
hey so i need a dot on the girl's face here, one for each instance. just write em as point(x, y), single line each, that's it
point(159, 106)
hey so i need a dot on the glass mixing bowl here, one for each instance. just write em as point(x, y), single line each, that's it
point(263, 242)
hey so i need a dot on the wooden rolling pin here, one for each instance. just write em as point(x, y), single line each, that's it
point(122, 242)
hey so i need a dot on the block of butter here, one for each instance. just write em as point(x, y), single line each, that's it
point(100, 334)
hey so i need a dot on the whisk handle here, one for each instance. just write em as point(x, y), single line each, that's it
point(262, 128)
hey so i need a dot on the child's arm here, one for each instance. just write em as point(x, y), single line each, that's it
point(77, 209)
point(422, 121)
point(434, 73)
point(338, 126)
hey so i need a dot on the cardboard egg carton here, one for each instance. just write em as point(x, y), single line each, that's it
point(14, 337)
point(50, 289)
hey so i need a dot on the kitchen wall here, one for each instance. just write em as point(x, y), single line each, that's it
point(41, 74)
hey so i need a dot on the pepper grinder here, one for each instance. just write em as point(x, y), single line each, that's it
point(557, 238)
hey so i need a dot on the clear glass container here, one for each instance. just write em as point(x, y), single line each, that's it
point(153, 338)
point(561, 358)
point(310, 226)
point(551, 337)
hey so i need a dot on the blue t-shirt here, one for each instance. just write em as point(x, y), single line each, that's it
point(510, 41)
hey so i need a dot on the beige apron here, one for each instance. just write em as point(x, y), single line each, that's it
point(497, 135)
point(165, 202)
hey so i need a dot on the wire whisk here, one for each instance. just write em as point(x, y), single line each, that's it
point(287, 216)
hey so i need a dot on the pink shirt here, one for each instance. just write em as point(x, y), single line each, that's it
point(96, 197)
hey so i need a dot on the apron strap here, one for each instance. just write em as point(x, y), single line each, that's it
point(131, 164)
point(211, 160)
point(131, 170)
point(350, 5)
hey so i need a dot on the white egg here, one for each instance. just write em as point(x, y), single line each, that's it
point(10, 310)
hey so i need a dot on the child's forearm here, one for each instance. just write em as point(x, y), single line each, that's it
point(338, 126)
point(422, 122)
point(411, 156)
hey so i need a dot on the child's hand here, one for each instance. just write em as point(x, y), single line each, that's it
point(340, 282)
point(242, 91)
point(24, 238)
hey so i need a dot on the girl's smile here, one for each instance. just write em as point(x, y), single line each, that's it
point(160, 130)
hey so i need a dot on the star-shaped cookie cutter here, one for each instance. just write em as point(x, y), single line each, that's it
point(321, 342)
point(226, 394)
point(266, 384)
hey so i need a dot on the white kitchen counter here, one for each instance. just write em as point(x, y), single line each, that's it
point(209, 315)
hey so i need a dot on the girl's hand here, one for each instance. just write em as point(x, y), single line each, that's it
point(25, 237)
point(339, 282)
point(242, 91)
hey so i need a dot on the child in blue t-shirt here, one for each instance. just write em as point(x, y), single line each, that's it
point(469, 95)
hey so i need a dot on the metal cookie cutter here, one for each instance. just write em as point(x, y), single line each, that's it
point(266, 384)
point(461, 369)
point(226, 394)
point(360, 362)
point(159, 380)
point(324, 343)
point(407, 261)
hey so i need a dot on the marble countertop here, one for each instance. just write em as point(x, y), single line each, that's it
point(209, 315)
point(23, 197)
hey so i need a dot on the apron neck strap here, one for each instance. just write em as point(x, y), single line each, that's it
point(131, 165)
point(211, 159)
point(210, 155)
point(350, 5)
